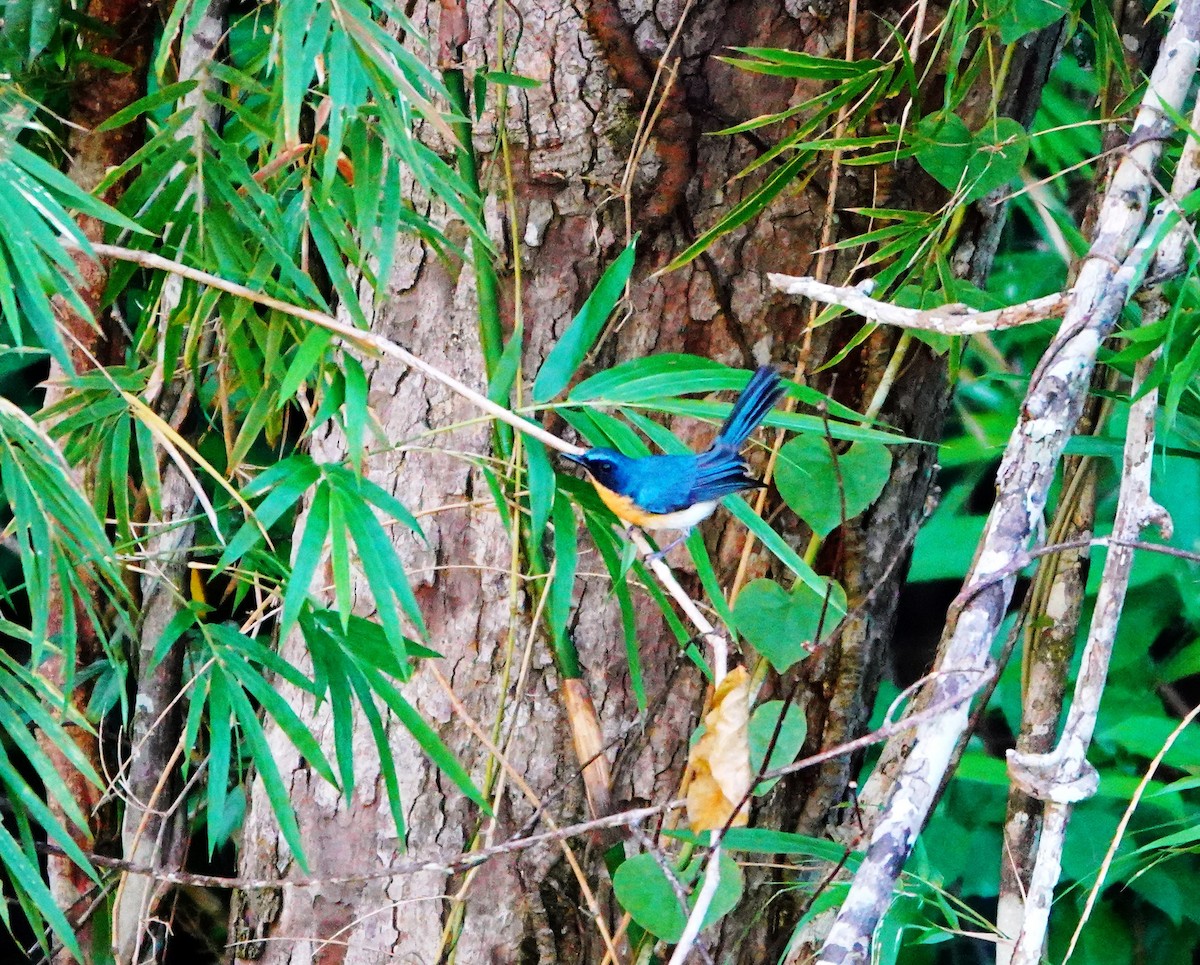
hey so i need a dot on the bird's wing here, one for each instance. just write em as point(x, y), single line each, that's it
point(662, 484)
point(720, 472)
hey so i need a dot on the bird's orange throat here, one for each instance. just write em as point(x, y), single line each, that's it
point(623, 507)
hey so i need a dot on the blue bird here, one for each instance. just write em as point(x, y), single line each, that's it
point(677, 492)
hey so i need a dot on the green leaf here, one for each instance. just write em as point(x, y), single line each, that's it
point(541, 484)
point(147, 104)
point(783, 626)
point(566, 553)
point(972, 164)
point(339, 556)
point(288, 481)
point(381, 499)
point(944, 147)
point(52, 180)
point(506, 79)
point(708, 575)
point(24, 873)
point(655, 376)
point(268, 771)
point(27, 28)
point(793, 421)
point(308, 555)
point(354, 412)
point(642, 888)
point(809, 482)
point(305, 359)
point(250, 680)
point(220, 751)
point(606, 545)
point(385, 575)
point(502, 380)
point(787, 745)
point(747, 208)
point(224, 827)
point(790, 63)
point(658, 377)
point(184, 620)
point(430, 742)
point(570, 350)
point(1023, 17)
point(770, 841)
point(383, 746)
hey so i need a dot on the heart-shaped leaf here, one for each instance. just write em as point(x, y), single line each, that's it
point(643, 890)
point(971, 163)
point(792, 732)
point(943, 147)
point(808, 482)
point(782, 625)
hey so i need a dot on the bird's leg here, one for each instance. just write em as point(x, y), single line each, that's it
point(660, 553)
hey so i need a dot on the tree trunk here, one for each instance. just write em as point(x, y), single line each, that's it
point(570, 138)
point(120, 40)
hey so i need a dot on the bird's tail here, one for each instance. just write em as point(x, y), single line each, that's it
point(751, 407)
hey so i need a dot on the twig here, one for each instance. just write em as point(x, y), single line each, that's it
point(899, 795)
point(1063, 776)
point(460, 863)
point(691, 931)
point(885, 733)
point(1119, 834)
point(519, 780)
point(946, 319)
point(468, 860)
point(347, 333)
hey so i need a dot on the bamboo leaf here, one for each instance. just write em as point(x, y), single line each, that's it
point(572, 348)
point(566, 555)
point(268, 771)
point(308, 556)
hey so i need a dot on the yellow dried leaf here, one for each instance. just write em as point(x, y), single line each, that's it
point(719, 762)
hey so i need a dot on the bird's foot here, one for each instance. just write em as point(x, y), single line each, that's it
point(659, 554)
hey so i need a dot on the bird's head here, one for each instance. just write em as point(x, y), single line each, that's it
point(606, 466)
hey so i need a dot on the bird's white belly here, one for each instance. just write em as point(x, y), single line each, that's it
point(682, 518)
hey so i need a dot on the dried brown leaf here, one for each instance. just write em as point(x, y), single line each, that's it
point(719, 762)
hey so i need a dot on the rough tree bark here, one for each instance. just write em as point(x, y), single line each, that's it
point(571, 137)
point(121, 38)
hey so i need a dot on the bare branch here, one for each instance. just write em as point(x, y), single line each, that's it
point(372, 342)
point(945, 320)
point(1062, 776)
point(901, 790)
point(347, 333)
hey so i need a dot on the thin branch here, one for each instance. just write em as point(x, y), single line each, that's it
point(900, 793)
point(347, 333)
point(1119, 834)
point(1063, 776)
point(411, 866)
point(372, 342)
point(468, 860)
point(691, 931)
point(945, 320)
